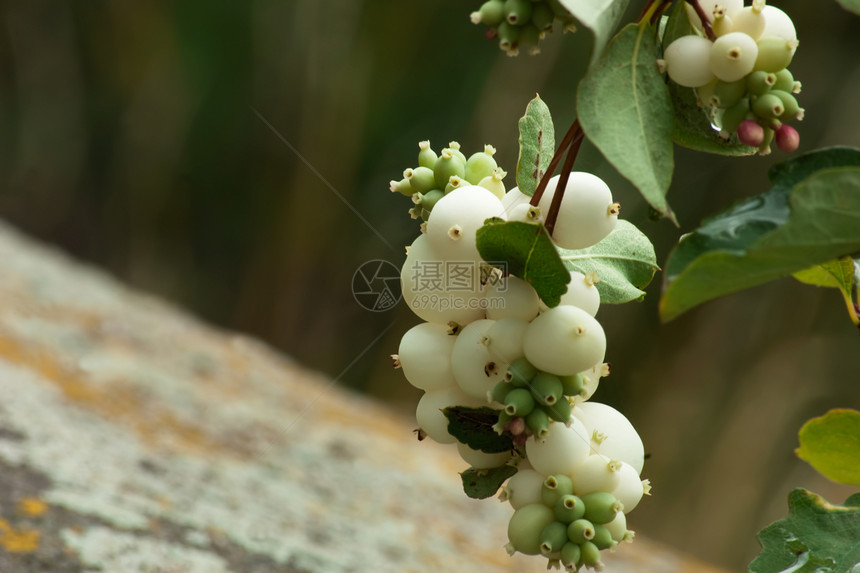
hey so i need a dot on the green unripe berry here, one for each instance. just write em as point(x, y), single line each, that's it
point(538, 422)
point(525, 528)
point(727, 94)
point(542, 16)
point(455, 182)
point(768, 107)
point(493, 183)
point(447, 165)
point(509, 36)
point(580, 531)
point(480, 165)
point(520, 372)
point(421, 179)
point(426, 156)
point(530, 36)
point(792, 108)
point(569, 508)
point(491, 13)
point(558, 9)
point(555, 487)
point(774, 54)
point(601, 507)
point(427, 200)
point(591, 555)
point(546, 388)
point(504, 419)
point(519, 402)
point(455, 149)
point(785, 82)
point(760, 82)
point(560, 411)
point(553, 537)
point(572, 384)
point(733, 116)
point(602, 537)
point(518, 12)
point(403, 187)
point(500, 391)
point(571, 555)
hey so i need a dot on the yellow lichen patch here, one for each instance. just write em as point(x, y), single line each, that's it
point(122, 403)
point(32, 506)
point(18, 541)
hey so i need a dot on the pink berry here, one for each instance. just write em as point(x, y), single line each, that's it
point(787, 138)
point(751, 133)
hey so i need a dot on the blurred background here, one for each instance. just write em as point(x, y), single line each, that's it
point(234, 157)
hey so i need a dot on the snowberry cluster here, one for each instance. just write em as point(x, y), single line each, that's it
point(573, 500)
point(489, 341)
point(438, 175)
point(742, 74)
point(521, 23)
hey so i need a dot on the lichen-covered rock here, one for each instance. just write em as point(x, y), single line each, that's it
point(134, 438)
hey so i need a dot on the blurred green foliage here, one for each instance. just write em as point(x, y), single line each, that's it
point(197, 150)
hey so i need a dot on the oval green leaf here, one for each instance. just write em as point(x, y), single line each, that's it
point(626, 112)
point(810, 215)
point(481, 484)
point(528, 252)
point(537, 145)
point(624, 261)
point(474, 427)
point(831, 444)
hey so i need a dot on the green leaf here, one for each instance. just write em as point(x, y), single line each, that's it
point(481, 484)
point(831, 444)
point(474, 427)
point(599, 16)
point(839, 274)
point(625, 110)
point(850, 5)
point(816, 536)
point(810, 215)
point(834, 274)
point(677, 24)
point(529, 253)
point(624, 261)
point(537, 145)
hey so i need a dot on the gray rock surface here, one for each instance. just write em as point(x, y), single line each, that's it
point(135, 438)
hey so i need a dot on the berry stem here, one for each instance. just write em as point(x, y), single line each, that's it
point(562, 183)
point(706, 21)
point(653, 10)
point(573, 132)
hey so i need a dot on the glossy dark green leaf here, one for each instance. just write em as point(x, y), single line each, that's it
point(816, 537)
point(474, 427)
point(810, 215)
point(626, 112)
point(481, 484)
point(529, 254)
point(624, 262)
point(537, 145)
